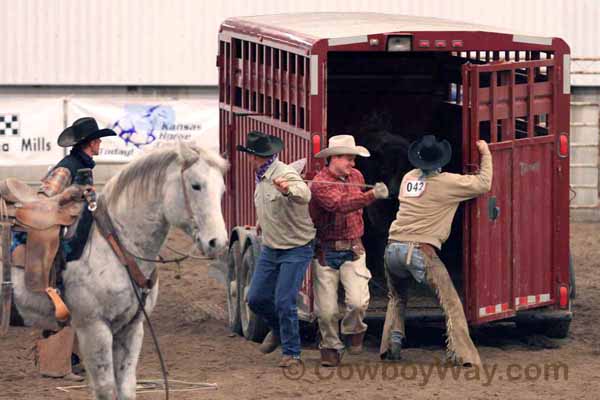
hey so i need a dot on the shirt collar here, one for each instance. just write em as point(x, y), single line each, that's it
point(334, 176)
point(430, 173)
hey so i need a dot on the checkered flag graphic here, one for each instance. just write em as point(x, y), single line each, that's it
point(9, 125)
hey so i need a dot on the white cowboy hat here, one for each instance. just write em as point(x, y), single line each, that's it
point(342, 144)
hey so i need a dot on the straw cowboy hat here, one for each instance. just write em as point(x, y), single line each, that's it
point(82, 130)
point(260, 144)
point(342, 144)
point(428, 153)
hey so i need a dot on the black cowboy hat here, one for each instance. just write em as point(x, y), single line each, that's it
point(428, 153)
point(82, 130)
point(260, 144)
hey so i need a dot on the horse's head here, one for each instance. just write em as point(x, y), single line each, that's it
point(193, 195)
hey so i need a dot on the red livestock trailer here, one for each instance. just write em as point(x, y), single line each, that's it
point(388, 79)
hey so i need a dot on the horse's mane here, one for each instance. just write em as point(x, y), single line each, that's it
point(144, 176)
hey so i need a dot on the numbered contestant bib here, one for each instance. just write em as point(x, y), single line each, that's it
point(413, 188)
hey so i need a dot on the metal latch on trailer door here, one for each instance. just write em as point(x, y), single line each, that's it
point(493, 210)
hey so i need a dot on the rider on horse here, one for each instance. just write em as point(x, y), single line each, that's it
point(55, 350)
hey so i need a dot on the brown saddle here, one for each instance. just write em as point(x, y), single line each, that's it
point(16, 191)
point(42, 219)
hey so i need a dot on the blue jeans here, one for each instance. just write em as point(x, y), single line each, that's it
point(395, 256)
point(274, 290)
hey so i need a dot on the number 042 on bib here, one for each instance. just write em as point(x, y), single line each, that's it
point(413, 188)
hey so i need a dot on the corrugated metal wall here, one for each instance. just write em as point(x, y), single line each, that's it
point(158, 42)
point(585, 119)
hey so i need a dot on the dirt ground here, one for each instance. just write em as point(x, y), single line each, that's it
point(190, 320)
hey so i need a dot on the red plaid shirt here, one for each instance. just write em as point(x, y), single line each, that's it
point(336, 210)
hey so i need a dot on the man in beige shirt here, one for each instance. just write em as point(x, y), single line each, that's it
point(281, 199)
point(428, 201)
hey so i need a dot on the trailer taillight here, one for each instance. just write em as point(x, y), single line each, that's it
point(563, 146)
point(457, 43)
point(440, 44)
point(399, 43)
point(563, 296)
point(316, 143)
point(423, 43)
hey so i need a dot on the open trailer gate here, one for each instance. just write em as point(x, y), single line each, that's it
point(511, 106)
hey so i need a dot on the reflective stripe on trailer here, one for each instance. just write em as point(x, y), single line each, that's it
point(493, 309)
point(530, 300)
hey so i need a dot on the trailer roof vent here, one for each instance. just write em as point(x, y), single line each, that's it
point(399, 43)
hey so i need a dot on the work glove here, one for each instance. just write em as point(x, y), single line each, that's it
point(381, 191)
point(482, 146)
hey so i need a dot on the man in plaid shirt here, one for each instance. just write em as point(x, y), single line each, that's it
point(336, 208)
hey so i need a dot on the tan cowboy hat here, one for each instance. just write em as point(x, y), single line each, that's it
point(342, 144)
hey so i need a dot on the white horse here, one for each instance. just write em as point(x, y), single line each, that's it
point(144, 200)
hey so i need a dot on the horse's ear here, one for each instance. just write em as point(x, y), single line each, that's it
point(186, 154)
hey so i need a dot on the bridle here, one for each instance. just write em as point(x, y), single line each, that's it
point(186, 197)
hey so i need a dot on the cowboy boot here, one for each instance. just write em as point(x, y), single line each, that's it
point(330, 357)
point(269, 344)
point(395, 349)
point(54, 355)
point(356, 343)
point(289, 361)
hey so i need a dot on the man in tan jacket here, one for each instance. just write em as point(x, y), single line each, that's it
point(281, 200)
point(428, 201)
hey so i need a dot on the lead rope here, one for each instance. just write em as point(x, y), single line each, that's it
point(162, 260)
point(327, 183)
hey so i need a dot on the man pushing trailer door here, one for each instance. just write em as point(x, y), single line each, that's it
point(429, 199)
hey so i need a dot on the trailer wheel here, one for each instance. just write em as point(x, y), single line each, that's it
point(558, 329)
point(253, 326)
point(234, 260)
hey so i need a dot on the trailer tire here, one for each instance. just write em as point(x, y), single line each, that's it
point(234, 260)
point(254, 327)
point(558, 329)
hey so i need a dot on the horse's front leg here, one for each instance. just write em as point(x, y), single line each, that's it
point(127, 345)
point(95, 344)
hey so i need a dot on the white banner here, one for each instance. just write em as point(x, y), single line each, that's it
point(144, 124)
point(28, 131)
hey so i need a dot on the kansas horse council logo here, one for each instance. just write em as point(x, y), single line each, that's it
point(140, 123)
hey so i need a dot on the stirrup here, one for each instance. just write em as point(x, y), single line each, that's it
point(61, 311)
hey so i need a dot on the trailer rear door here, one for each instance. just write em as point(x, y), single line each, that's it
point(509, 265)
